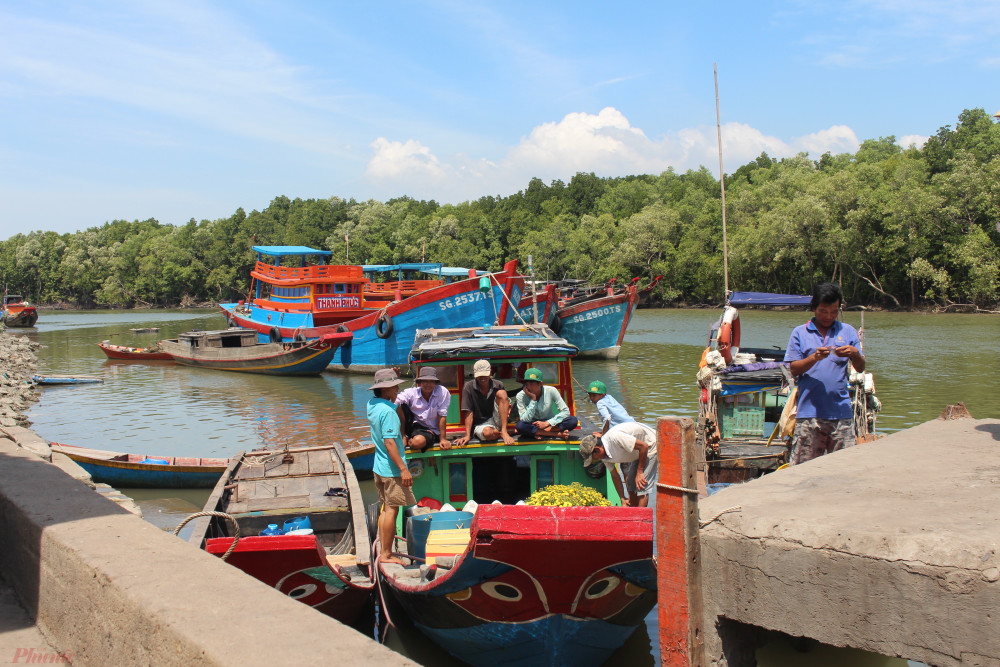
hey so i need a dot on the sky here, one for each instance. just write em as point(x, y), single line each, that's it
point(177, 110)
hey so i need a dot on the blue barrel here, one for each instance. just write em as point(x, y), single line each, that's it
point(421, 525)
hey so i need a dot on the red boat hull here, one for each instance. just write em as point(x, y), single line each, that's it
point(133, 353)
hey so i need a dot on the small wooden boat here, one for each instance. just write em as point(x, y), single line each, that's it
point(66, 379)
point(145, 330)
point(326, 568)
point(16, 312)
point(124, 353)
point(141, 471)
point(743, 392)
point(238, 349)
point(515, 584)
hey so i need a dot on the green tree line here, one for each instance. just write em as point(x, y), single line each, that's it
point(896, 227)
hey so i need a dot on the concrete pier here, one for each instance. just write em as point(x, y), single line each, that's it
point(891, 547)
point(104, 587)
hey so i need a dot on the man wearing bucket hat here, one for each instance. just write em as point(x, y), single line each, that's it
point(633, 445)
point(425, 412)
point(393, 481)
point(541, 410)
point(485, 407)
point(612, 412)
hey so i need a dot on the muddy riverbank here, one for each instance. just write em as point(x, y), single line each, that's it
point(17, 391)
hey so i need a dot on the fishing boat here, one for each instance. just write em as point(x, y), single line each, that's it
point(595, 322)
point(323, 558)
point(141, 471)
point(311, 300)
point(125, 353)
point(55, 380)
point(497, 582)
point(744, 392)
point(238, 349)
point(17, 312)
point(395, 282)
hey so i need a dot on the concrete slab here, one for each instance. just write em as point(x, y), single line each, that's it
point(891, 547)
point(29, 440)
point(20, 639)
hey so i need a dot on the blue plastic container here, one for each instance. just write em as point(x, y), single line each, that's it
point(420, 526)
point(159, 462)
point(298, 523)
point(272, 529)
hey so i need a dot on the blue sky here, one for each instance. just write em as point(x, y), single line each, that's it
point(178, 110)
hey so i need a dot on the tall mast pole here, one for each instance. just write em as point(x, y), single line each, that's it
point(722, 184)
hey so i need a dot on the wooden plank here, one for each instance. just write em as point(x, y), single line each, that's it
point(281, 502)
point(320, 462)
point(678, 563)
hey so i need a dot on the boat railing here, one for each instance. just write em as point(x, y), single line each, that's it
point(405, 287)
point(346, 273)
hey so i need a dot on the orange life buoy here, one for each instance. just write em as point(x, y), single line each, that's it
point(729, 334)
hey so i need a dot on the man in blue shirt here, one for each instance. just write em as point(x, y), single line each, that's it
point(393, 481)
point(819, 352)
point(612, 412)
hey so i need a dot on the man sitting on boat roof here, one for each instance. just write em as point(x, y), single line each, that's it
point(424, 412)
point(486, 407)
point(542, 411)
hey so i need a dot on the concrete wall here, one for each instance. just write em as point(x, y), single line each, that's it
point(107, 588)
point(891, 547)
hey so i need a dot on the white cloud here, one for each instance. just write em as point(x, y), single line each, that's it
point(908, 140)
point(604, 143)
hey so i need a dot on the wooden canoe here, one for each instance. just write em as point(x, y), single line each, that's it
point(143, 471)
point(124, 353)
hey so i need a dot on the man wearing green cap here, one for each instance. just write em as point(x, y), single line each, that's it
point(612, 412)
point(542, 412)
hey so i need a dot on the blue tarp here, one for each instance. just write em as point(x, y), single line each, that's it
point(425, 267)
point(768, 299)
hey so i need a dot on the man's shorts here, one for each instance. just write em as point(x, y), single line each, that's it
point(392, 493)
point(814, 437)
point(631, 468)
point(494, 423)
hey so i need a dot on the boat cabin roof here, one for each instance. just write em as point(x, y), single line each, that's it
point(290, 250)
point(233, 337)
point(436, 269)
point(458, 346)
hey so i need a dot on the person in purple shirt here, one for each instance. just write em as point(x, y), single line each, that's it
point(424, 412)
point(819, 352)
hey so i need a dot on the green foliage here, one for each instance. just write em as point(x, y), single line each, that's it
point(895, 226)
point(572, 495)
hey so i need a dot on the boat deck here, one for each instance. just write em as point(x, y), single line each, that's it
point(281, 481)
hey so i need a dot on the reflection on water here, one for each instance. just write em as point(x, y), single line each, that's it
point(921, 363)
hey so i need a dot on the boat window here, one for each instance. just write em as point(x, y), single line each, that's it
point(545, 473)
point(458, 490)
point(338, 288)
point(503, 478)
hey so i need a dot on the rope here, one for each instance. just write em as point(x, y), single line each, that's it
point(671, 487)
point(734, 508)
point(236, 528)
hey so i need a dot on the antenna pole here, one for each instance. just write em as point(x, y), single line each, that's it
point(722, 185)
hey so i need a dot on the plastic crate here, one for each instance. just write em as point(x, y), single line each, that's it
point(743, 418)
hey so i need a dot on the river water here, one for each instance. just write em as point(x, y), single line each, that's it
point(921, 363)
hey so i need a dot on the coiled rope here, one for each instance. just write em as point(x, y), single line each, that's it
point(223, 515)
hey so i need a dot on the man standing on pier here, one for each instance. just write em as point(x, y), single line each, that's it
point(393, 481)
point(819, 352)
